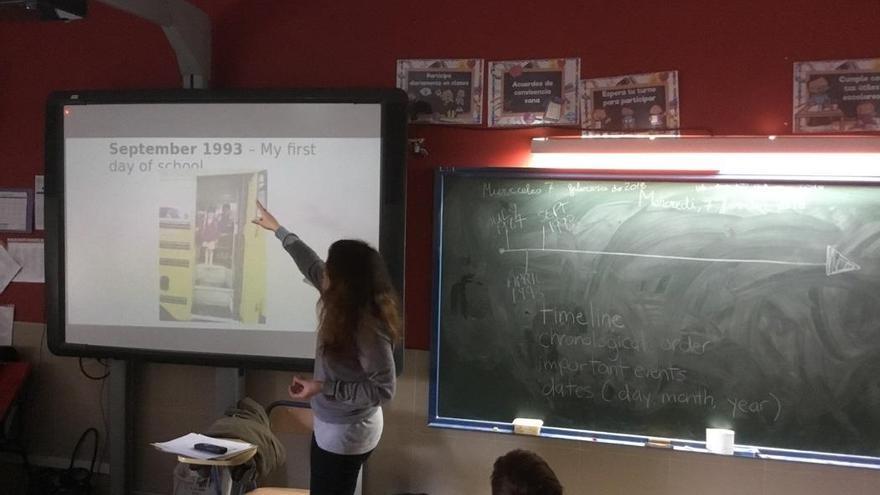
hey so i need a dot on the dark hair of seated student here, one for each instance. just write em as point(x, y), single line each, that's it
point(521, 472)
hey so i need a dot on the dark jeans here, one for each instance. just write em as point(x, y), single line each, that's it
point(334, 474)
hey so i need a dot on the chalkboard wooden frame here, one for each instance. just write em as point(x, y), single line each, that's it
point(476, 424)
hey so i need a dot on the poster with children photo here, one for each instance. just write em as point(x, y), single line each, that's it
point(534, 92)
point(443, 91)
point(837, 96)
point(631, 103)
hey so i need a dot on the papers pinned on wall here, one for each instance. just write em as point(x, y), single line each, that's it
point(9, 268)
point(15, 209)
point(29, 254)
point(7, 314)
point(39, 202)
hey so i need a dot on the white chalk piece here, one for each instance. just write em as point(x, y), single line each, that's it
point(527, 426)
point(719, 440)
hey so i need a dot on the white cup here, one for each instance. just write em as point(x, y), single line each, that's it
point(719, 440)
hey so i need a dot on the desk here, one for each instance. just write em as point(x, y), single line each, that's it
point(279, 491)
point(235, 460)
point(219, 473)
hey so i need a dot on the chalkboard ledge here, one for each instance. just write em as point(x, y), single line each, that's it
point(741, 451)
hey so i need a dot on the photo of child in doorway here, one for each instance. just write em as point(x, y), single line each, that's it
point(212, 259)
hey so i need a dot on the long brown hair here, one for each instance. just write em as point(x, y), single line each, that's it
point(360, 290)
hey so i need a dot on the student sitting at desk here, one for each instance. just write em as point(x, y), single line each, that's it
point(521, 472)
point(359, 322)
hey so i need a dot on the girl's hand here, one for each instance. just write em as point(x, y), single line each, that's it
point(265, 219)
point(303, 388)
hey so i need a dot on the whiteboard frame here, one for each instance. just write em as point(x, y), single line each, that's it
point(393, 105)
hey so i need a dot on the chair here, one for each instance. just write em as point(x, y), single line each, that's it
point(293, 418)
point(13, 378)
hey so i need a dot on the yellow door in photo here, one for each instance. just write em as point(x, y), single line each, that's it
point(253, 280)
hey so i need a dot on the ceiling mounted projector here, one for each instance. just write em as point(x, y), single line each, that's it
point(42, 10)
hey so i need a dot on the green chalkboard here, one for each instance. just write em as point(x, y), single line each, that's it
point(660, 306)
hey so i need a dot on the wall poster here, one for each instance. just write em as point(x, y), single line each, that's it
point(836, 96)
point(631, 103)
point(443, 91)
point(534, 92)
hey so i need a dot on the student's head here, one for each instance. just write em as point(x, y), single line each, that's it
point(521, 472)
point(357, 287)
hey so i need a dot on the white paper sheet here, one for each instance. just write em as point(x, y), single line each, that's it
point(184, 446)
point(14, 211)
point(9, 268)
point(7, 314)
point(29, 254)
point(39, 202)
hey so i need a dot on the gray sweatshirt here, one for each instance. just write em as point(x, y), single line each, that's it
point(353, 387)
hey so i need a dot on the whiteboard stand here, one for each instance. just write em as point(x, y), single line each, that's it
point(121, 427)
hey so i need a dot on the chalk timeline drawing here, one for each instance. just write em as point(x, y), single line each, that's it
point(835, 262)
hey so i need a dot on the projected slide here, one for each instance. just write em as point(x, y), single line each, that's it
point(161, 251)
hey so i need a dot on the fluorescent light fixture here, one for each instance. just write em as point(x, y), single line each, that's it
point(841, 156)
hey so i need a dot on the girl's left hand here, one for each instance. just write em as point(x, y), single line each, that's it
point(303, 388)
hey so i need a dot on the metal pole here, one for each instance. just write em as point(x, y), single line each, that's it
point(121, 426)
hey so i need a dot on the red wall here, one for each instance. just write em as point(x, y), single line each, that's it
point(734, 60)
point(107, 50)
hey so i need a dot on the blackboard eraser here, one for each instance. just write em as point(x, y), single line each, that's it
point(658, 443)
point(528, 426)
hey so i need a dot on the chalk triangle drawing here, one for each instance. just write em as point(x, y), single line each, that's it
point(836, 262)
